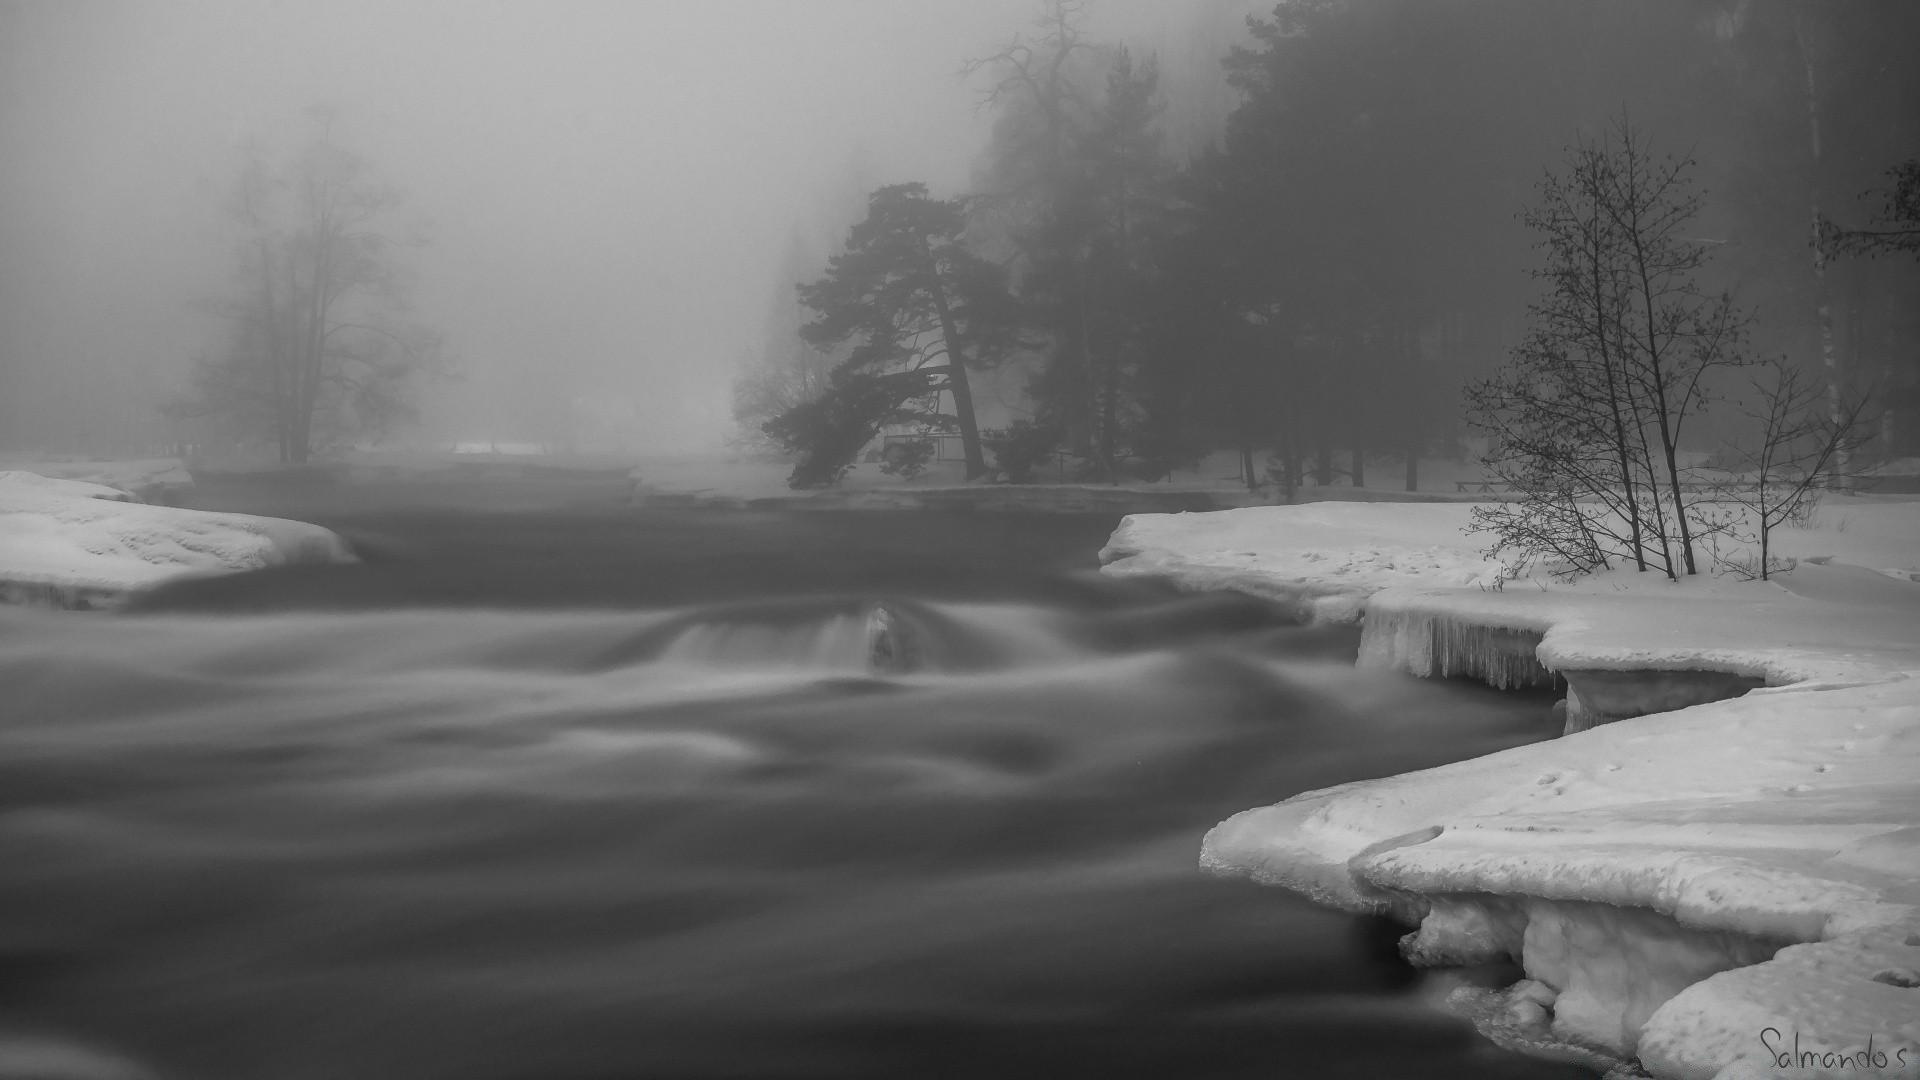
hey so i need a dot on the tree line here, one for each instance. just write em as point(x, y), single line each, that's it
point(1314, 290)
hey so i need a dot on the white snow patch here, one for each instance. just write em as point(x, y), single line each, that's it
point(68, 543)
point(1325, 557)
point(1643, 871)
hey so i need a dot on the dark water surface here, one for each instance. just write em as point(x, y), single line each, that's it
point(579, 791)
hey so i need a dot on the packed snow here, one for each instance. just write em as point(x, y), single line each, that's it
point(1327, 557)
point(71, 543)
point(1705, 890)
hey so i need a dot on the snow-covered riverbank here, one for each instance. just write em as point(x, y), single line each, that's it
point(1643, 871)
point(77, 544)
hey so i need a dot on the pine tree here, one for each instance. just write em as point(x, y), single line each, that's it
point(1076, 186)
point(919, 309)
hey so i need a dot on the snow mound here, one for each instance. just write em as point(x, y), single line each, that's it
point(1325, 559)
point(70, 544)
point(1705, 889)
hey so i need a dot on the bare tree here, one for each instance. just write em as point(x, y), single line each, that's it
point(321, 344)
point(1586, 418)
point(1799, 446)
point(784, 375)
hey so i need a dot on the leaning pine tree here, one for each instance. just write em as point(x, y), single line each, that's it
point(920, 309)
point(1585, 418)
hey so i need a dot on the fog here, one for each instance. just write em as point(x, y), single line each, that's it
point(607, 188)
point(607, 207)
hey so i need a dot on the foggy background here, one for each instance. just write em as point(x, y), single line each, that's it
point(608, 188)
point(619, 197)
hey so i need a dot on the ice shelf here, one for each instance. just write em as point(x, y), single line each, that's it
point(1701, 889)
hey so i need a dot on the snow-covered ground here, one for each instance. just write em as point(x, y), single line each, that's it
point(72, 543)
point(1645, 871)
point(1328, 557)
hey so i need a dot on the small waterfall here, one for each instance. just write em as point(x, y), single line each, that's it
point(872, 639)
point(868, 636)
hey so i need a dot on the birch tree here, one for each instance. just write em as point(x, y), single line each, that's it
point(1587, 416)
point(1797, 447)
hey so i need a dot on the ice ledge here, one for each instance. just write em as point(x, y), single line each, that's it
point(1732, 829)
point(1639, 869)
point(1800, 632)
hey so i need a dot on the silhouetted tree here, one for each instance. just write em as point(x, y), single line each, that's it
point(918, 308)
point(321, 346)
point(1796, 446)
point(1894, 231)
point(1586, 417)
point(785, 371)
point(1037, 206)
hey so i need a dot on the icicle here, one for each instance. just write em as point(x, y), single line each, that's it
point(1430, 645)
point(62, 597)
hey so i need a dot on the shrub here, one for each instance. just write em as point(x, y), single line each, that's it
point(1020, 448)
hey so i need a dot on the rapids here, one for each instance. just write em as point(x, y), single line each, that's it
point(625, 793)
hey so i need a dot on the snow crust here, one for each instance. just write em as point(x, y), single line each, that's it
point(72, 543)
point(1326, 558)
point(1652, 872)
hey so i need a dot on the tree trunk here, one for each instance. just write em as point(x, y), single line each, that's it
point(1409, 339)
point(957, 383)
point(1110, 414)
point(1658, 374)
point(1110, 398)
point(1289, 450)
point(969, 430)
point(1628, 490)
point(1823, 304)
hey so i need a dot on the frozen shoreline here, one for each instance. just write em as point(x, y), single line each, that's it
point(1790, 815)
point(79, 544)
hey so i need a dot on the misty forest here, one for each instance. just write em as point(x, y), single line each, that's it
point(1355, 233)
point(905, 538)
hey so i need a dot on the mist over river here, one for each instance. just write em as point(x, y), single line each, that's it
point(564, 789)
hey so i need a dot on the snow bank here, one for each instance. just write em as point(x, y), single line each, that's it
point(1819, 625)
point(1324, 558)
point(1765, 820)
point(1706, 889)
point(74, 544)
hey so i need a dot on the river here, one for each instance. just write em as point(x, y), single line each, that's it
point(556, 788)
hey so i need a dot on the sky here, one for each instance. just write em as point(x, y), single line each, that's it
point(607, 188)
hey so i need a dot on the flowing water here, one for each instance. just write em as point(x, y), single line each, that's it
point(623, 793)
